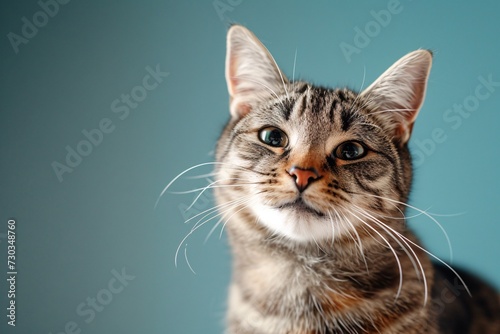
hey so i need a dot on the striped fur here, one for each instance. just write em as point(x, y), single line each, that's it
point(336, 256)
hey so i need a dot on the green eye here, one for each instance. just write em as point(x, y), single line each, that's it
point(350, 150)
point(273, 137)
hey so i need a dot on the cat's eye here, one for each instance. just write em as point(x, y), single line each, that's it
point(350, 150)
point(273, 137)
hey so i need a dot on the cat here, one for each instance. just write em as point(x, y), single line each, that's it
point(312, 185)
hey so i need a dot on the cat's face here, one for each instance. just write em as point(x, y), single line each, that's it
point(310, 163)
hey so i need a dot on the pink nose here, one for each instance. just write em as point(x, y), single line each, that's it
point(303, 176)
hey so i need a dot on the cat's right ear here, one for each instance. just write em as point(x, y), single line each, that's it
point(397, 95)
point(251, 72)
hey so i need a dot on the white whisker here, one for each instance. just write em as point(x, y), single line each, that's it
point(227, 220)
point(424, 213)
point(294, 63)
point(184, 239)
point(446, 214)
point(389, 110)
point(392, 250)
point(184, 172)
point(198, 166)
point(274, 61)
point(211, 186)
point(333, 226)
point(359, 243)
point(202, 176)
point(212, 230)
point(198, 225)
point(417, 265)
point(265, 86)
point(211, 210)
point(361, 88)
point(187, 261)
point(441, 261)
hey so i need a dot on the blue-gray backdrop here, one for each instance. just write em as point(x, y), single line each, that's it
point(103, 103)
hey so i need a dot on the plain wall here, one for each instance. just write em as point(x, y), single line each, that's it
point(76, 234)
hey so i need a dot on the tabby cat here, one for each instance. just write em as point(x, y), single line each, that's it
point(312, 183)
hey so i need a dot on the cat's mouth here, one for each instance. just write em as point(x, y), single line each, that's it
point(301, 206)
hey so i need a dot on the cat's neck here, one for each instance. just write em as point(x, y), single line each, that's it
point(274, 278)
point(254, 247)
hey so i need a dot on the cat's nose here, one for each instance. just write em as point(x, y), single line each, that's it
point(303, 176)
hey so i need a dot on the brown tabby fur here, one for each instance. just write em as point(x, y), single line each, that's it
point(335, 257)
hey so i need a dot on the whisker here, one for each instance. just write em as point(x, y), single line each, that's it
point(441, 261)
point(274, 61)
point(281, 76)
point(348, 230)
point(372, 125)
point(187, 261)
point(184, 239)
point(227, 220)
point(196, 227)
point(316, 242)
point(424, 213)
point(212, 209)
point(392, 250)
point(263, 85)
point(212, 230)
point(223, 208)
point(202, 176)
point(180, 174)
point(294, 63)
point(390, 110)
point(446, 214)
point(412, 257)
point(361, 88)
point(198, 166)
point(333, 225)
point(402, 217)
point(359, 243)
point(343, 219)
point(211, 186)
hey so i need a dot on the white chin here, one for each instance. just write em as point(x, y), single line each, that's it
point(298, 226)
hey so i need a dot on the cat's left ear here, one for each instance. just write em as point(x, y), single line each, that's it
point(397, 95)
point(252, 74)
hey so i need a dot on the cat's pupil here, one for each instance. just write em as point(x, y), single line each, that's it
point(350, 151)
point(273, 137)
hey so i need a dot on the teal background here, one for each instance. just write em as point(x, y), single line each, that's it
point(72, 234)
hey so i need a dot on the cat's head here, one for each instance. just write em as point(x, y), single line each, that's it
point(310, 163)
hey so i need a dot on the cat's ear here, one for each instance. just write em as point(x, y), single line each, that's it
point(397, 95)
point(251, 72)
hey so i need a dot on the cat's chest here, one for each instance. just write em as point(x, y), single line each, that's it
point(285, 281)
point(280, 293)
